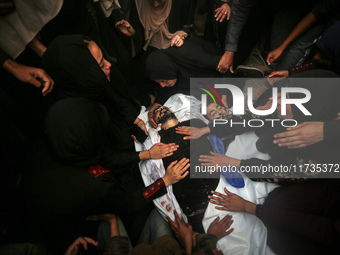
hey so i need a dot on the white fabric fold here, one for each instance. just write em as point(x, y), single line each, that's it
point(21, 26)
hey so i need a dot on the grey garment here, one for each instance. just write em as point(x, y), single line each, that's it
point(205, 243)
point(3, 57)
point(239, 14)
point(284, 23)
point(22, 249)
point(103, 236)
point(117, 245)
point(154, 227)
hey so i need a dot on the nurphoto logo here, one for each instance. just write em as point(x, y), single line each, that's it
point(239, 104)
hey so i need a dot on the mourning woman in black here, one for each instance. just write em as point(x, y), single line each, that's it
point(87, 17)
point(76, 174)
point(79, 69)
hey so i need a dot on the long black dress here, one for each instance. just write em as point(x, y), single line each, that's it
point(196, 58)
point(81, 173)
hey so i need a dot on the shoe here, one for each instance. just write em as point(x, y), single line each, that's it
point(248, 72)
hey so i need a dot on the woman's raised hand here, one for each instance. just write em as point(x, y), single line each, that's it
point(177, 41)
point(125, 28)
point(231, 202)
point(192, 132)
point(162, 150)
point(176, 171)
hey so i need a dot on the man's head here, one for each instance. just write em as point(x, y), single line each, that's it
point(162, 114)
point(215, 111)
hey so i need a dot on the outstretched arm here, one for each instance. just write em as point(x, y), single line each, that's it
point(35, 76)
point(302, 135)
point(182, 231)
point(73, 249)
point(238, 19)
point(308, 133)
point(132, 203)
point(231, 202)
point(313, 226)
point(37, 47)
point(301, 27)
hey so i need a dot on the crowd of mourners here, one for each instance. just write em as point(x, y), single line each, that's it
point(75, 76)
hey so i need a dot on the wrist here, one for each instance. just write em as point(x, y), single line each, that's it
point(166, 180)
point(321, 129)
point(137, 120)
point(229, 53)
point(249, 207)
point(205, 130)
point(235, 162)
point(9, 65)
point(283, 46)
point(143, 155)
point(188, 244)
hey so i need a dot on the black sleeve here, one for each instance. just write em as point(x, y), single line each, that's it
point(316, 227)
point(3, 57)
point(332, 131)
point(121, 158)
point(181, 16)
point(122, 204)
point(239, 14)
point(115, 98)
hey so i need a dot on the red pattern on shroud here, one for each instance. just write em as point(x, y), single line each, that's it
point(153, 188)
point(98, 170)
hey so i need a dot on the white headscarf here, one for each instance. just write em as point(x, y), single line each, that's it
point(18, 28)
point(108, 6)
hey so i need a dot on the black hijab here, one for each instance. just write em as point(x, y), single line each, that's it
point(73, 68)
point(195, 58)
point(86, 17)
point(79, 132)
point(77, 74)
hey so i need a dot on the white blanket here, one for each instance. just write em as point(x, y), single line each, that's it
point(250, 234)
point(153, 169)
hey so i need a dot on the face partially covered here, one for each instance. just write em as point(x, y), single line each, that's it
point(166, 83)
point(215, 111)
point(161, 114)
point(98, 56)
point(158, 3)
